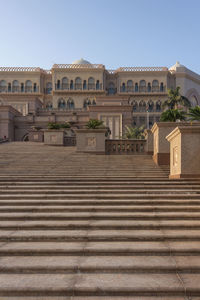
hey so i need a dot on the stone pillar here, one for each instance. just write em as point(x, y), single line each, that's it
point(36, 136)
point(184, 152)
point(149, 141)
point(54, 137)
point(91, 140)
point(161, 147)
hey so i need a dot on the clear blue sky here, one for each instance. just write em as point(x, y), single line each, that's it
point(112, 32)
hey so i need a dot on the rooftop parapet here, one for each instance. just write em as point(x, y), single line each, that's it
point(142, 69)
point(24, 69)
point(78, 66)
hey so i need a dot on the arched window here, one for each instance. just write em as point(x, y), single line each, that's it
point(136, 87)
point(15, 86)
point(22, 87)
point(123, 87)
point(97, 85)
point(150, 106)
point(28, 86)
point(78, 83)
point(58, 85)
point(149, 87)
point(48, 87)
point(9, 87)
point(91, 83)
point(135, 105)
point(84, 85)
point(86, 103)
point(161, 87)
point(61, 103)
point(193, 100)
point(3, 86)
point(129, 86)
point(155, 86)
point(142, 87)
point(158, 106)
point(111, 88)
point(49, 106)
point(70, 104)
point(71, 85)
point(35, 87)
point(142, 106)
point(65, 85)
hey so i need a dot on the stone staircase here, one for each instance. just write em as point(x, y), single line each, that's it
point(95, 227)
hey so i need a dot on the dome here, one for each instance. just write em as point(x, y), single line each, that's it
point(81, 62)
point(177, 65)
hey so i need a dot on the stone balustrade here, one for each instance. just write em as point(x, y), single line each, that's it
point(125, 146)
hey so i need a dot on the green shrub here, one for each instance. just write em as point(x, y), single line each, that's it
point(53, 125)
point(172, 115)
point(95, 124)
point(134, 133)
point(65, 125)
point(194, 113)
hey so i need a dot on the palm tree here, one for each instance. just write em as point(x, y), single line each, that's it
point(174, 99)
point(172, 115)
point(134, 133)
point(194, 113)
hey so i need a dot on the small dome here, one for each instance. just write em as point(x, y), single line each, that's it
point(81, 62)
point(177, 65)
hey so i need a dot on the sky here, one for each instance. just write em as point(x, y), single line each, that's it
point(115, 33)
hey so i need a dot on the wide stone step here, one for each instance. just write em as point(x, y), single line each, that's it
point(105, 248)
point(99, 235)
point(103, 196)
point(92, 208)
point(103, 203)
point(99, 264)
point(99, 285)
point(70, 191)
point(100, 298)
point(101, 225)
point(101, 216)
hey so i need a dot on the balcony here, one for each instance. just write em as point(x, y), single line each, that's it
point(79, 87)
point(24, 90)
point(141, 89)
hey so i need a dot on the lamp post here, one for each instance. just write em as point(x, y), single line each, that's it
point(147, 119)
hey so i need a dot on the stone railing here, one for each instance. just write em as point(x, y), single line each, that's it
point(3, 141)
point(19, 90)
point(129, 89)
point(142, 69)
point(79, 87)
point(125, 146)
point(78, 66)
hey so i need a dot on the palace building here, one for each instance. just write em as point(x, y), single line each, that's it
point(81, 90)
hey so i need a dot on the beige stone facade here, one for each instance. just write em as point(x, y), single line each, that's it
point(65, 92)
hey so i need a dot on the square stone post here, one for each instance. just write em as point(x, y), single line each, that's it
point(54, 137)
point(161, 147)
point(90, 140)
point(184, 152)
point(149, 141)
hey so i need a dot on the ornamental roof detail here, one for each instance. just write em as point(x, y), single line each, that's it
point(23, 69)
point(141, 69)
point(78, 66)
